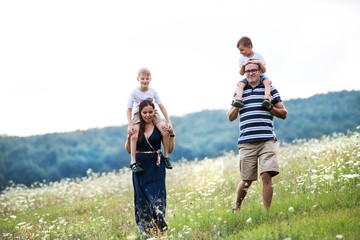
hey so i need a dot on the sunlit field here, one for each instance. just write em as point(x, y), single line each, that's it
point(316, 196)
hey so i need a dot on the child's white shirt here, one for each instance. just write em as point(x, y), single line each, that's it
point(137, 96)
point(256, 56)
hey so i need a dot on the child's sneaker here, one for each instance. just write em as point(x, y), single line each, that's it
point(167, 163)
point(135, 167)
point(266, 103)
point(238, 104)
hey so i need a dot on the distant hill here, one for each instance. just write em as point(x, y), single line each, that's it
point(198, 135)
point(322, 114)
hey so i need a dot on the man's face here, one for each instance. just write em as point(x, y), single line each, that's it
point(253, 73)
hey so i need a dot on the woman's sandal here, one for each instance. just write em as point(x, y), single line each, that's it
point(135, 167)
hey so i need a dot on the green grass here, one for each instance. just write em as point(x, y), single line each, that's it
point(316, 196)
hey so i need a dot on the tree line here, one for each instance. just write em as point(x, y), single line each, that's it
point(51, 157)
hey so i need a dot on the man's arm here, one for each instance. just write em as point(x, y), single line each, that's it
point(232, 113)
point(279, 110)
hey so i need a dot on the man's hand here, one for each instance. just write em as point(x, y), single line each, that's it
point(237, 97)
point(268, 97)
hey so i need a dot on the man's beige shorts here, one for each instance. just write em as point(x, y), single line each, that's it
point(157, 118)
point(250, 153)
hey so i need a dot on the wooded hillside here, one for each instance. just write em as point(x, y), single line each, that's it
point(198, 135)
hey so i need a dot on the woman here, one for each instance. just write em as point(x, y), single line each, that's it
point(149, 185)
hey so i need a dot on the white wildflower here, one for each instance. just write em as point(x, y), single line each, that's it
point(351, 175)
point(291, 209)
point(248, 220)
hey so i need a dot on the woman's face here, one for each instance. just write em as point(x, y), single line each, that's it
point(147, 114)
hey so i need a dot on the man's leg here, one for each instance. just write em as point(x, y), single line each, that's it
point(241, 192)
point(267, 190)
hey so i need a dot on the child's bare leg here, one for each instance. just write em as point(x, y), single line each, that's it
point(267, 84)
point(240, 90)
point(239, 95)
point(162, 126)
point(133, 141)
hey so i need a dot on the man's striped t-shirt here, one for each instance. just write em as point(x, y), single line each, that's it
point(256, 122)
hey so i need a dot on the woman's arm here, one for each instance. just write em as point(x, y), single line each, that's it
point(172, 140)
point(127, 144)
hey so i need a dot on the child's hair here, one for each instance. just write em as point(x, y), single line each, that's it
point(245, 41)
point(143, 104)
point(144, 71)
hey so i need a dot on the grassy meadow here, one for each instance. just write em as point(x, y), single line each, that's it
point(316, 196)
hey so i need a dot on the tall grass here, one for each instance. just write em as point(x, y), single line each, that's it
point(316, 196)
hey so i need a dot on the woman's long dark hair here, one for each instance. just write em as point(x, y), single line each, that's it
point(143, 104)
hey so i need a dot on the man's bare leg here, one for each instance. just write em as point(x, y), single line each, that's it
point(241, 192)
point(267, 190)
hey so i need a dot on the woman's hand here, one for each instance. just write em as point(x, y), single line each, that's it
point(131, 130)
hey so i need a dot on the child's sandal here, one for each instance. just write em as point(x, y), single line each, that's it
point(238, 104)
point(135, 167)
point(167, 163)
point(266, 103)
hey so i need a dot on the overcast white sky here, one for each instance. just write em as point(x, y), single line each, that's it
point(71, 64)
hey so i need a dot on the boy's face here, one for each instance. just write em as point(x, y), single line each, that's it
point(245, 51)
point(144, 80)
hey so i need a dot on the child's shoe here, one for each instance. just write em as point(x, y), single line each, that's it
point(135, 167)
point(266, 103)
point(167, 163)
point(238, 104)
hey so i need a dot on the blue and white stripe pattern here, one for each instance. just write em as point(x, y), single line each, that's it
point(256, 122)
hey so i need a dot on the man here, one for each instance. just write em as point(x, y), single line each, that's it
point(257, 137)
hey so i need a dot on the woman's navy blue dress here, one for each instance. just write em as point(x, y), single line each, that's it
point(150, 186)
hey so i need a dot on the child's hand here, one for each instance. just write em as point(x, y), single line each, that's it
point(243, 65)
point(254, 61)
point(131, 130)
point(170, 128)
